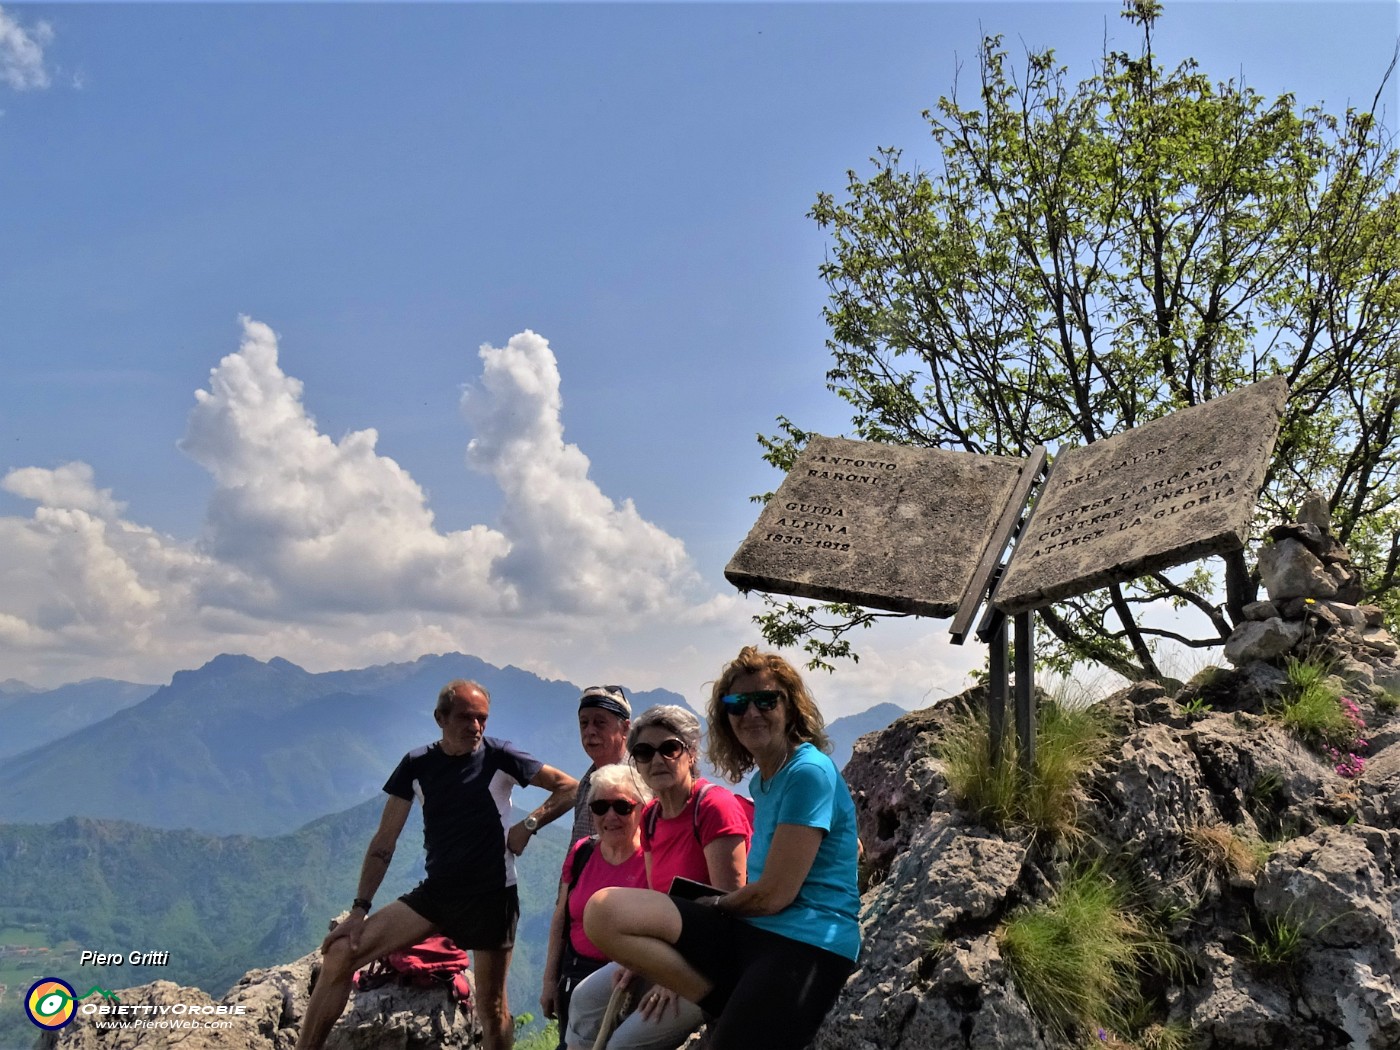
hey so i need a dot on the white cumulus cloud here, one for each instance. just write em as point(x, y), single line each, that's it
point(572, 548)
point(80, 584)
point(69, 486)
point(326, 552)
point(22, 53)
point(316, 524)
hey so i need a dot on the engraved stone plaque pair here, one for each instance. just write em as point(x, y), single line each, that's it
point(904, 529)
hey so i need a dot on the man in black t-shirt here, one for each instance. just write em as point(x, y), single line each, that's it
point(464, 781)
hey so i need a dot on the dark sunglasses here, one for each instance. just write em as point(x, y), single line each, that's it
point(737, 703)
point(620, 806)
point(644, 753)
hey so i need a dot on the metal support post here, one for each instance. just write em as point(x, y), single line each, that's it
point(996, 692)
point(1025, 689)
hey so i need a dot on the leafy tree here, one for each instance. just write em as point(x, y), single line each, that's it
point(1084, 258)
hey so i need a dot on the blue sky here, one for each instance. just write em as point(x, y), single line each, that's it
point(318, 214)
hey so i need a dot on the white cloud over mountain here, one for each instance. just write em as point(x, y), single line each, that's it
point(326, 552)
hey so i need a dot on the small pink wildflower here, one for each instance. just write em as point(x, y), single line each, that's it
point(1352, 766)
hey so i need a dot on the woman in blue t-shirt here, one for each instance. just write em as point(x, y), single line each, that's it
point(767, 960)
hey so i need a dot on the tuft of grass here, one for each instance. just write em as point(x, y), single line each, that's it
point(1221, 849)
point(1195, 707)
point(986, 788)
point(1266, 786)
point(1077, 958)
point(1069, 740)
point(1276, 942)
point(1387, 702)
point(1174, 1035)
point(1308, 672)
point(1068, 744)
point(1314, 712)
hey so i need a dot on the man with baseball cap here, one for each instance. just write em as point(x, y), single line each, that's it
point(604, 716)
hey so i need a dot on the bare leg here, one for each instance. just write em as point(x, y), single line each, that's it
point(639, 928)
point(394, 926)
point(497, 1025)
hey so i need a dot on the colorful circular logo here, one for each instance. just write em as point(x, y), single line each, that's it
point(50, 1003)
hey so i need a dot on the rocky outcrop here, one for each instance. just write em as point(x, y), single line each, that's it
point(932, 975)
point(263, 1011)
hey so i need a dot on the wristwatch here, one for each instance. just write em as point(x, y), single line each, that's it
point(532, 823)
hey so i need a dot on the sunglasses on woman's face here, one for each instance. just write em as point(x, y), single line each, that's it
point(620, 806)
point(737, 703)
point(644, 753)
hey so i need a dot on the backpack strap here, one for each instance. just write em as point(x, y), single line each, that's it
point(654, 814)
point(695, 813)
point(581, 856)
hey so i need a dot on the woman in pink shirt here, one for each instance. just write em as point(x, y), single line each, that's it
point(611, 858)
point(692, 829)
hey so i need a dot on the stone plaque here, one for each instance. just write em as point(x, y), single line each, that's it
point(884, 526)
point(1165, 493)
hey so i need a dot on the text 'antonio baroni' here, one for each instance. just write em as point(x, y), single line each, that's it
point(130, 959)
point(847, 474)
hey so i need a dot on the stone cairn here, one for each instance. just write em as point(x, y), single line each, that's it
point(1313, 608)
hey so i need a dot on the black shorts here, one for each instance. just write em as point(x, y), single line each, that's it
point(769, 990)
point(474, 920)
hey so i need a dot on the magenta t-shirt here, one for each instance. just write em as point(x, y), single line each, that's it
point(674, 849)
point(597, 874)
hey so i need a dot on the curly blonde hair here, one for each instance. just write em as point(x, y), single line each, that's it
point(804, 721)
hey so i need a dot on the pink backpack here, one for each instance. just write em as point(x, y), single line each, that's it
point(431, 962)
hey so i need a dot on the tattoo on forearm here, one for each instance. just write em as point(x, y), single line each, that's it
point(382, 853)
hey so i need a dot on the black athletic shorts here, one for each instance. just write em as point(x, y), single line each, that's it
point(770, 991)
point(474, 920)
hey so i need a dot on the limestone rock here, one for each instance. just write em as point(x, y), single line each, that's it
point(1264, 610)
point(1233, 1008)
point(1256, 640)
point(1315, 512)
point(1289, 570)
point(900, 779)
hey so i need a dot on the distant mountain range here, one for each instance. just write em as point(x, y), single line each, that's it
point(242, 746)
point(30, 717)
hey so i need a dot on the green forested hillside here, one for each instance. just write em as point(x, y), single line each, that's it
point(219, 906)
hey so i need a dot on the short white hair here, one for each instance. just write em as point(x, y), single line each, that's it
point(618, 778)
